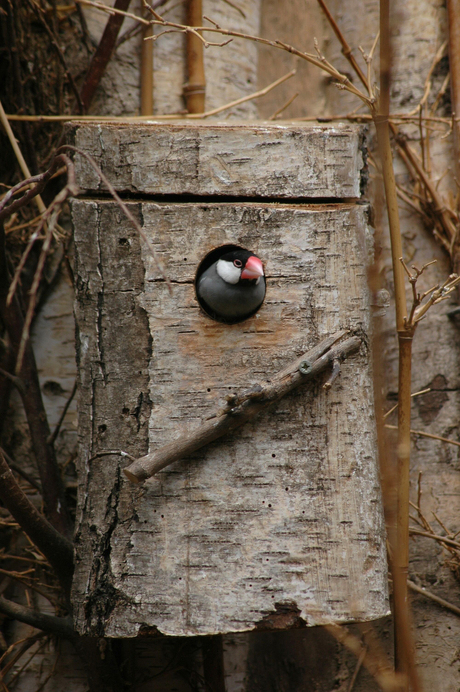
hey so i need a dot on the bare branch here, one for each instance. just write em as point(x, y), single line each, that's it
point(440, 539)
point(52, 438)
point(236, 7)
point(48, 623)
point(57, 549)
point(18, 154)
point(430, 435)
point(346, 50)
point(433, 597)
point(439, 207)
point(49, 222)
point(183, 28)
point(103, 54)
point(55, 43)
point(284, 107)
point(242, 408)
point(20, 471)
point(378, 666)
point(249, 97)
point(53, 490)
point(438, 293)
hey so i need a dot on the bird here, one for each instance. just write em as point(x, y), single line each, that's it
point(233, 287)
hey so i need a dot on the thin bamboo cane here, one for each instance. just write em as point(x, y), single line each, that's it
point(147, 72)
point(404, 648)
point(195, 88)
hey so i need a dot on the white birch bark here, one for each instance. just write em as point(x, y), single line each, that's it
point(284, 513)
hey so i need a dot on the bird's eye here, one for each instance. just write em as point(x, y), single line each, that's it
point(237, 263)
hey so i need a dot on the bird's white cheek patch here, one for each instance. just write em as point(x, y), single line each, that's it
point(228, 272)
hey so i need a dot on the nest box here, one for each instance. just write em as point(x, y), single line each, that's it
point(280, 521)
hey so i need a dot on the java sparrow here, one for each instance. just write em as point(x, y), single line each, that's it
point(233, 287)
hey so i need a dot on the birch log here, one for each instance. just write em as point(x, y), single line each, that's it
point(281, 516)
point(250, 160)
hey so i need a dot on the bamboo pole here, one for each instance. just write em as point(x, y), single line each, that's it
point(194, 90)
point(147, 71)
point(404, 648)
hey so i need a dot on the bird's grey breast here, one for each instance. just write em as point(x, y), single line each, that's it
point(230, 300)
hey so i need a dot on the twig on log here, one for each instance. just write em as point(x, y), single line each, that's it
point(334, 374)
point(242, 408)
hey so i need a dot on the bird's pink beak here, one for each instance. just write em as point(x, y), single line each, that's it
point(253, 268)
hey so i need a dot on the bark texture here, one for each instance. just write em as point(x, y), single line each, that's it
point(279, 522)
point(252, 160)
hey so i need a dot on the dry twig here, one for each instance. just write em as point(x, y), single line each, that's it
point(57, 549)
point(318, 60)
point(437, 293)
point(242, 408)
point(437, 599)
point(377, 665)
point(103, 53)
point(421, 433)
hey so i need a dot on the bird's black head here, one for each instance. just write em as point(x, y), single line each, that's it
point(240, 266)
point(239, 256)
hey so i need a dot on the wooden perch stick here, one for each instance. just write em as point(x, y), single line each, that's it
point(242, 408)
